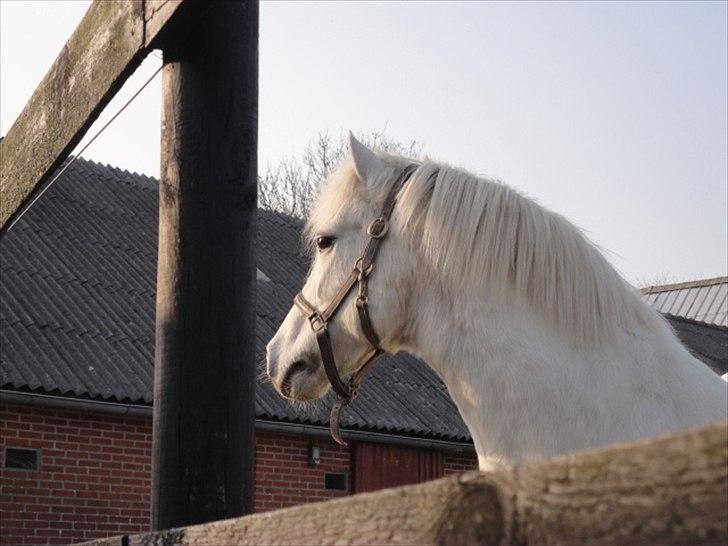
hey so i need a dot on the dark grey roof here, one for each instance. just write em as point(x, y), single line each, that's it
point(707, 342)
point(77, 308)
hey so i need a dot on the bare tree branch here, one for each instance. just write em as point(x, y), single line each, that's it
point(291, 186)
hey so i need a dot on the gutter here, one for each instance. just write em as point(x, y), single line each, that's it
point(364, 436)
point(78, 404)
point(263, 425)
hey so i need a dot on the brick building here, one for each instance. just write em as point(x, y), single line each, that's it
point(77, 334)
point(77, 326)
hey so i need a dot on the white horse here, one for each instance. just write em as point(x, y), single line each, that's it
point(544, 348)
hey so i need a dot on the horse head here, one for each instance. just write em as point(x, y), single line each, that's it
point(344, 222)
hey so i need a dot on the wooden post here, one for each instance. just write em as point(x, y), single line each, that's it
point(204, 384)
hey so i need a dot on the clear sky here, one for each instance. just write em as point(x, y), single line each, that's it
point(613, 114)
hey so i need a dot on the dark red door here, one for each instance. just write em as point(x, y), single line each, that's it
point(377, 466)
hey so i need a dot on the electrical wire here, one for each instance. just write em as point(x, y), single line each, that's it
point(75, 157)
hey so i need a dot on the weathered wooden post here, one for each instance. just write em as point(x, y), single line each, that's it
point(205, 340)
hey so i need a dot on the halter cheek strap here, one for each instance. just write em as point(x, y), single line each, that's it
point(319, 320)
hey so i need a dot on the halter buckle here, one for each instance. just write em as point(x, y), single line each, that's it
point(378, 228)
point(317, 322)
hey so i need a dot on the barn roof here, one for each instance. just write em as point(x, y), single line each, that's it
point(77, 309)
point(704, 300)
point(707, 342)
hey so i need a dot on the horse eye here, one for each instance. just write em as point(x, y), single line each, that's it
point(324, 243)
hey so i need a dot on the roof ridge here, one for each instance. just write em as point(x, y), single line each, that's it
point(686, 284)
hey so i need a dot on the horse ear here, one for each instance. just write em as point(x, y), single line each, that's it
point(366, 163)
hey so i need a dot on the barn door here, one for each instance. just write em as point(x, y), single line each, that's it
point(377, 466)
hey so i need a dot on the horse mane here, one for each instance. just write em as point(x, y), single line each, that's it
point(481, 234)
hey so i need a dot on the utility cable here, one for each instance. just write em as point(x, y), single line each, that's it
point(75, 157)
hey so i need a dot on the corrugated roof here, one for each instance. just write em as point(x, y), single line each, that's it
point(77, 309)
point(707, 342)
point(705, 300)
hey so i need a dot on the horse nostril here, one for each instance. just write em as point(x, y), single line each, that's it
point(297, 366)
point(293, 369)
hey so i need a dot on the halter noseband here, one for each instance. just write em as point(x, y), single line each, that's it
point(319, 320)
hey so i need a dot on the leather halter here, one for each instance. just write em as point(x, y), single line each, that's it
point(319, 320)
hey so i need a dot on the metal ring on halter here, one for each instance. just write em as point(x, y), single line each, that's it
point(354, 390)
point(363, 272)
point(381, 232)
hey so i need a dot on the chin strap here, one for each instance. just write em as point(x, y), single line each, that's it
point(342, 401)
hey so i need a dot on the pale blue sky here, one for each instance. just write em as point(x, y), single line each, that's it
point(613, 114)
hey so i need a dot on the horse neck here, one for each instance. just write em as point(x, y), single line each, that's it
point(477, 348)
point(525, 392)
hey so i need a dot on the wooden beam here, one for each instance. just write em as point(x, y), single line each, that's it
point(671, 490)
point(107, 46)
point(204, 372)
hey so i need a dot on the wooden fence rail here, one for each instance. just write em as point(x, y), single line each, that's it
point(667, 490)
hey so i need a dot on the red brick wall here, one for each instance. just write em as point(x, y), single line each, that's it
point(93, 479)
point(283, 475)
point(460, 462)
